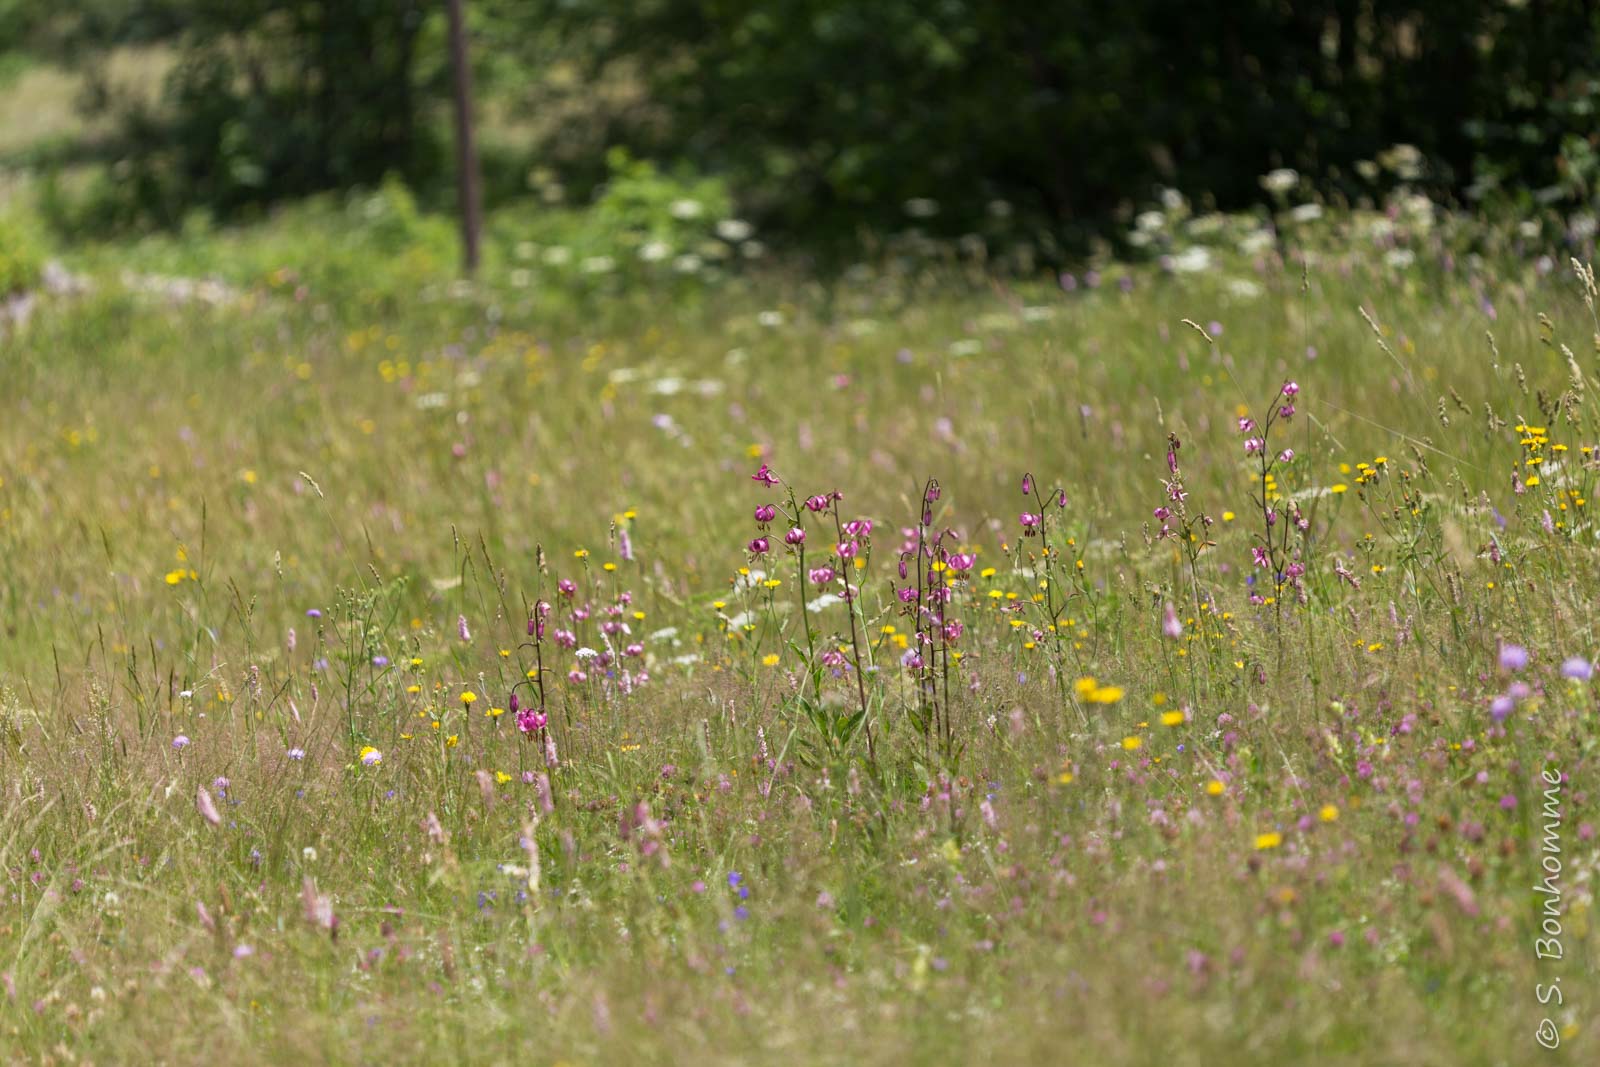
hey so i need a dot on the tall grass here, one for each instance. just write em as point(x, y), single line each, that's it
point(1033, 772)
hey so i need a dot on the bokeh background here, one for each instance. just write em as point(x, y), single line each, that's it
point(1033, 129)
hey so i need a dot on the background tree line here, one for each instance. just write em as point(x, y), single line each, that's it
point(827, 118)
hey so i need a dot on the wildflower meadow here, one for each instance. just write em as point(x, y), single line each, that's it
point(1185, 660)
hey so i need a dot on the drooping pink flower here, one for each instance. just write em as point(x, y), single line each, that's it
point(207, 807)
point(765, 476)
point(1171, 625)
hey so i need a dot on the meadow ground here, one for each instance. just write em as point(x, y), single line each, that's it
point(1225, 700)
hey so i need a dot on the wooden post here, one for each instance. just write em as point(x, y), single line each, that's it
point(466, 151)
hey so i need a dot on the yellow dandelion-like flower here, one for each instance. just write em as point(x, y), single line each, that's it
point(1106, 694)
point(1328, 813)
point(469, 698)
point(1132, 743)
point(495, 713)
point(1173, 718)
point(502, 777)
point(770, 659)
point(1271, 839)
point(1085, 688)
point(1215, 788)
point(452, 741)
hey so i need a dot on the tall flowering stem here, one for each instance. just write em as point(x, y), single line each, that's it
point(852, 598)
point(1190, 528)
point(1036, 523)
point(1271, 551)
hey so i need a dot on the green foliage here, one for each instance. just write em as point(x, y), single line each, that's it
point(832, 114)
point(643, 225)
point(267, 101)
point(21, 256)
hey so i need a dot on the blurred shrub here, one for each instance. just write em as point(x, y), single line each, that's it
point(268, 100)
point(21, 257)
point(643, 223)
